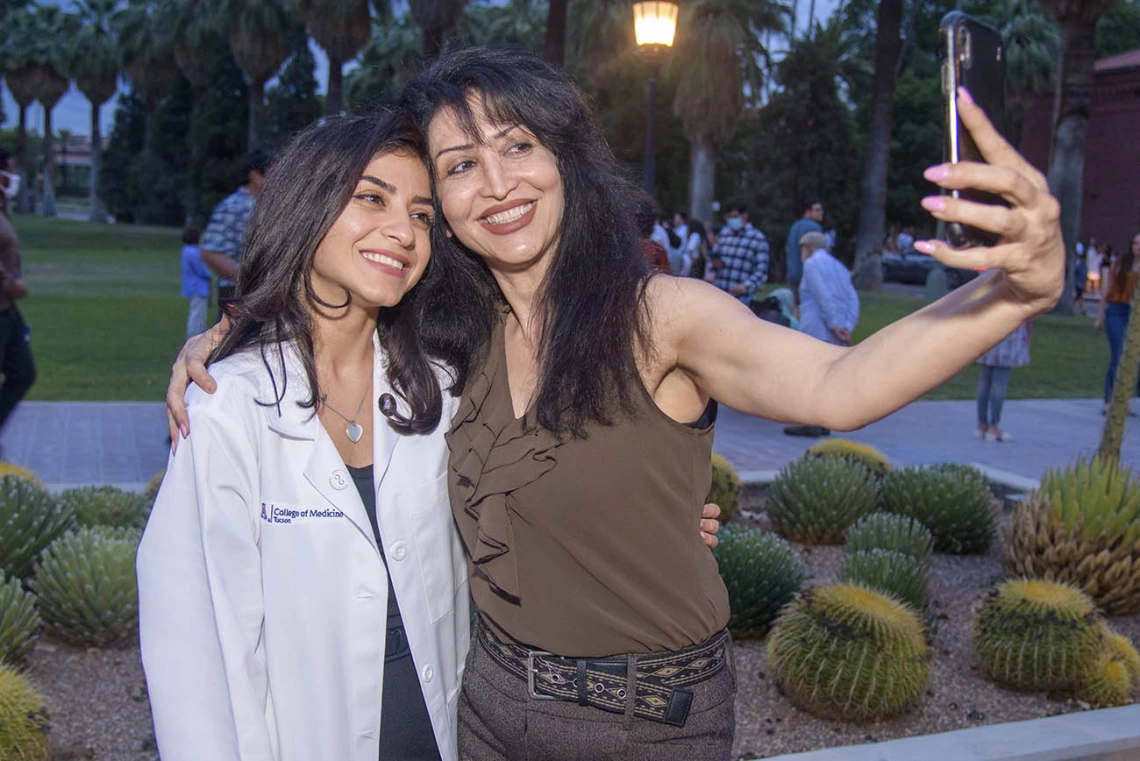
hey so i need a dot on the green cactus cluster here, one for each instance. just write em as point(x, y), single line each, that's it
point(725, 490)
point(1082, 526)
point(150, 493)
point(106, 506)
point(88, 593)
point(875, 460)
point(896, 533)
point(19, 621)
point(1037, 635)
point(847, 652)
point(31, 519)
point(889, 572)
point(815, 499)
point(762, 575)
point(23, 719)
point(952, 501)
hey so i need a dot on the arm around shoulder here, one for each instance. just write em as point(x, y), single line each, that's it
point(200, 606)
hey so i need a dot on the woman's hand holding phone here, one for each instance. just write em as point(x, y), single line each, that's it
point(1031, 251)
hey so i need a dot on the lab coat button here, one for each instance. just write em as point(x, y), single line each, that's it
point(338, 480)
point(399, 551)
point(429, 673)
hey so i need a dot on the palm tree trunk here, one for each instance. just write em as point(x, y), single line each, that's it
point(1123, 386)
point(702, 174)
point(333, 101)
point(811, 18)
point(48, 207)
point(256, 96)
point(98, 209)
point(1070, 126)
point(22, 159)
point(556, 32)
point(868, 271)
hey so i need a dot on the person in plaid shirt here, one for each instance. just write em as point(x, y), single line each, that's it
point(740, 256)
point(221, 244)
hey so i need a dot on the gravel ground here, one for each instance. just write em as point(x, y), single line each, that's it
point(99, 708)
point(957, 697)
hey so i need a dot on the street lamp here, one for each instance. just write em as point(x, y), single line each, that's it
point(654, 24)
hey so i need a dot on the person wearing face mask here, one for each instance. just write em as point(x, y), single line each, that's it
point(740, 256)
point(9, 181)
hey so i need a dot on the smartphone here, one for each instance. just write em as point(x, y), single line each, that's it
point(973, 57)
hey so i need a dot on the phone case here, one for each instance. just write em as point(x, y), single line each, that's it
point(973, 56)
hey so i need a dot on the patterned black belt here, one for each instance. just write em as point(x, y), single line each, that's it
point(660, 683)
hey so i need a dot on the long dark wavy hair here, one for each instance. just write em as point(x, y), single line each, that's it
point(592, 299)
point(309, 186)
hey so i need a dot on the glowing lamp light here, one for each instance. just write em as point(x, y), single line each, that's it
point(655, 23)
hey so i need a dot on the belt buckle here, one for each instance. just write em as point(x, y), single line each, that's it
point(531, 687)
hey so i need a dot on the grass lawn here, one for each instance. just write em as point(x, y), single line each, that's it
point(106, 319)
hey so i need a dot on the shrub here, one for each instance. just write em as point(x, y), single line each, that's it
point(896, 533)
point(762, 575)
point(23, 719)
point(953, 501)
point(150, 493)
point(846, 652)
point(1036, 635)
point(875, 460)
point(889, 572)
point(19, 621)
point(1082, 527)
point(9, 469)
point(814, 500)
point(725, 489)
point(32, 519)
point(106, 506)
point(87, 587)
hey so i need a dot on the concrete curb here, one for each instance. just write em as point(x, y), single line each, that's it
point(1105, 735)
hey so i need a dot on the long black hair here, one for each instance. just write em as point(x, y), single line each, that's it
point(592, 299)
point(309, 186)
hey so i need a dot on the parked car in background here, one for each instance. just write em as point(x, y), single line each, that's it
point(912, 266)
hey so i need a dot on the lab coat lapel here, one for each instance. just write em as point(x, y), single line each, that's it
point(327, 473)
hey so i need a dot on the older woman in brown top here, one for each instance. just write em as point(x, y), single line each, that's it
point(579, 455)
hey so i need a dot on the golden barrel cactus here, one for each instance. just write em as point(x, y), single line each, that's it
point(23, 719)
point(1082, 527)
point(875, 460)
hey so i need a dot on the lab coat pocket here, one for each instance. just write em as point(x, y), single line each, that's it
point(434, 534)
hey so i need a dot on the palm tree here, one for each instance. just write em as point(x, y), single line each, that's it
point(387, 62)
point(437, 18)
point(517, 22)
point(20, 74)
point(95, 62)
point(341, 28)
point(719, 49)
point(259, 32)
point(146, 48)
point(51, 32)
point(1078, 20)
point(191, 29)
point(868, 270)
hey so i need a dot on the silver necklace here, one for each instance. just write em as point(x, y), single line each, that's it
point(353, 430)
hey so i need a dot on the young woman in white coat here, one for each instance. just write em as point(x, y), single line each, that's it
point(302, 590)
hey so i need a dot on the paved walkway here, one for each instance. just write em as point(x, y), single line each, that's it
point(124, 443)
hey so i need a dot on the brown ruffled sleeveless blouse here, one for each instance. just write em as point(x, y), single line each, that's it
point(583, 547)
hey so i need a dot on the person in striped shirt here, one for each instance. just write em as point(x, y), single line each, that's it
point(740, 256)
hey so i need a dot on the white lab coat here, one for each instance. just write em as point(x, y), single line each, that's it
point(262, 595)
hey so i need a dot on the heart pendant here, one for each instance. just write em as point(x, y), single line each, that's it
point(354, 432)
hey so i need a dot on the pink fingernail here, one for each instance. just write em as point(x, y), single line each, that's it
point(184, 431)
point(934, 203)
point(937, 173)
point(964, 95)
point(924, 246)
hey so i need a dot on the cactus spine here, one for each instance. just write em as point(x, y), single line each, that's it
point(875, 460)
point(762, 575)
point(814, 500)
point(19, 621)
point(23, 719)
point(32, 519)
point(1036, 635)
point(896, 533)
point(844, 651)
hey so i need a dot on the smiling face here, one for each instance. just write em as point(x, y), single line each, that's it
point(502, 196)
point(378, 247)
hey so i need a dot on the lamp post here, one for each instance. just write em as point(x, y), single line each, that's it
point(654, 24)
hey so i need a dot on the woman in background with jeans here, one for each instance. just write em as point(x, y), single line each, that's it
point(997, 363)
point(1115, 307)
